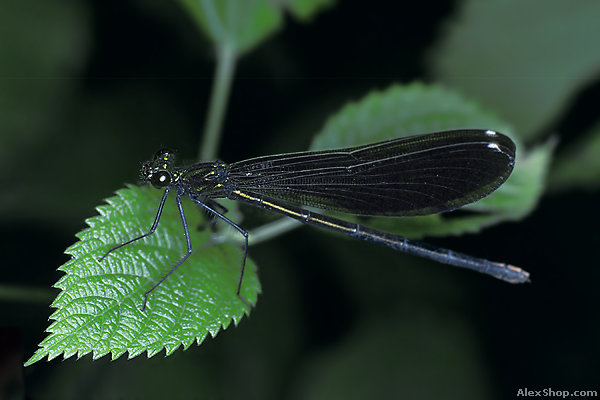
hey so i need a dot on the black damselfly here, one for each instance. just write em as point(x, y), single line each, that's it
point(408, 176)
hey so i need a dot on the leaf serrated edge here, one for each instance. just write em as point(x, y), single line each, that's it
point(49, 344)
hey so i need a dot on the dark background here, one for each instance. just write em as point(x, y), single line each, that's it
point(336, 318)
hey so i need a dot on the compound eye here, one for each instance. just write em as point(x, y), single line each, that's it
point(160, 179)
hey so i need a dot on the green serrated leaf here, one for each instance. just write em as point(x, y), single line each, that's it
point(415, 109)
point(241, 25)
point(524, 59)
point(404, 110)
point(99, 308)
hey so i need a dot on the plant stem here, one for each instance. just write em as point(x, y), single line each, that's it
point(271, 230)
point(226, 59)
point(260, 234)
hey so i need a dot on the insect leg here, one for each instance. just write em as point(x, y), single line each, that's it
point(244, 234)
point(150, 232)
point(211, 221)
point(189, 250)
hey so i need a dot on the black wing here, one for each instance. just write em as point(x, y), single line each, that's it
point(416, 175)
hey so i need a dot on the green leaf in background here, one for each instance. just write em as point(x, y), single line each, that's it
point(579, 165)
point(241, 25)
point(305, 9)
point(416, 109)
point(35, 54)
point(99, 308)
point(524, 59)
point(405, 110)
point(433, 342)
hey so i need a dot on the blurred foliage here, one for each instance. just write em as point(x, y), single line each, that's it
point(35, 68)
point(90, 89)
point(243, 25)
point(579, 164)
point(328, 374)
point(526, 60)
